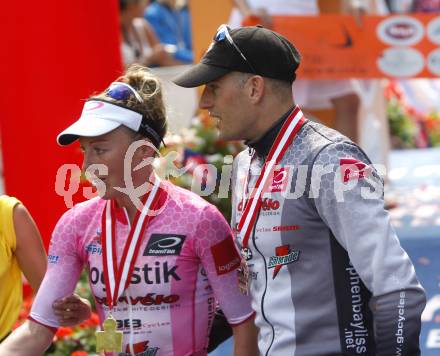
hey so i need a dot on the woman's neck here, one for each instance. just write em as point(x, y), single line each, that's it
point(132, 202)
point(124, 202)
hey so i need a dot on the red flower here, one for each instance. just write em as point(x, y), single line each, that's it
point(78, 353)
point(92, 321)
point(63, 332)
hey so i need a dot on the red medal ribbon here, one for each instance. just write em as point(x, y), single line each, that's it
point(283, 140)
point(117, 277)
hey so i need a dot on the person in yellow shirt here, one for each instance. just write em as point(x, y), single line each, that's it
point(21, 250)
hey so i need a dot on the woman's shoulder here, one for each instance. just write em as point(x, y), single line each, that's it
point(86, 208)
point(185, 196)
point(188, 201)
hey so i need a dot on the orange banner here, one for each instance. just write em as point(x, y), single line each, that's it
point(336, 47)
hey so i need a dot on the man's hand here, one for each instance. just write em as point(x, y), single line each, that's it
point(72, 310)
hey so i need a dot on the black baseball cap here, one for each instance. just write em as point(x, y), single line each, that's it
point(251, 49)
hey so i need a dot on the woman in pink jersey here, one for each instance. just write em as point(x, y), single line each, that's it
point(159, 257)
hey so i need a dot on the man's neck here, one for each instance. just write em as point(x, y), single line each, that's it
point(269, 117)
point(264, 143)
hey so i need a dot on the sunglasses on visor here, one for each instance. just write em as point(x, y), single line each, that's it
point(122, 91)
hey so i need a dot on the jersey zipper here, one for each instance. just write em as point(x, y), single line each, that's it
point(265, 287)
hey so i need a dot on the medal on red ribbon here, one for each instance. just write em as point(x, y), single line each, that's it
point(117, 276)
point(251, 205)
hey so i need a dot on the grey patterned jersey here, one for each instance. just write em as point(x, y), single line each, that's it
point(328, 275)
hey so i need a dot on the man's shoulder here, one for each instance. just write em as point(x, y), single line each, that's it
point(313, 137)
point(322, 135)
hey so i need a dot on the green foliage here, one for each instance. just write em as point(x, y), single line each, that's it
point(200, 141)
point(402, 128)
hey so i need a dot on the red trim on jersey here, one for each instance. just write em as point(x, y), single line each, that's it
point(51, 328)
point(281, 134)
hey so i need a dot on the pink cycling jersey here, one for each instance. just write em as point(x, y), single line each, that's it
point(186, 263)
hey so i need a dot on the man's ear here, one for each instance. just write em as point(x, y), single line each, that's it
point(256, 88)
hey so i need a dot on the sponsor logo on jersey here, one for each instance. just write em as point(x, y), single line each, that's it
point(279, 180)
point(150, 299)
point(270, 204)
point(140, 349)
point(285, 228)
point(53, 259)
point(93, 249)
point(267, 229)
point(352, 169)
point(126, 324)
point(226, 257)
point(266, 205)
point(148, 274)
point(270, 207)
point(356, 333)
point(164, 245)
point(211, 313)
point(283, 256)
point(262, 229)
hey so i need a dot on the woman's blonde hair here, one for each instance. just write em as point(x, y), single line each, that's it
point(149, 88)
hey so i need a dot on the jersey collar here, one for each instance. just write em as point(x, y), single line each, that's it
point(263, 144)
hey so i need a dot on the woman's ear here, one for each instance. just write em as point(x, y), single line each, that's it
point(144, 150)
point(147, 150)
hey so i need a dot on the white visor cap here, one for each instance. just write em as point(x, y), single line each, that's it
point(98, 118)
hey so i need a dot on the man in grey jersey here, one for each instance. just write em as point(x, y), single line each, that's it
point(323, 265)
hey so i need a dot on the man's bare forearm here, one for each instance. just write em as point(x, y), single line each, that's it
point(30, 339)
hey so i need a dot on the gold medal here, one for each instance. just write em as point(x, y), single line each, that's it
point(117, 276)
point(109, 340)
